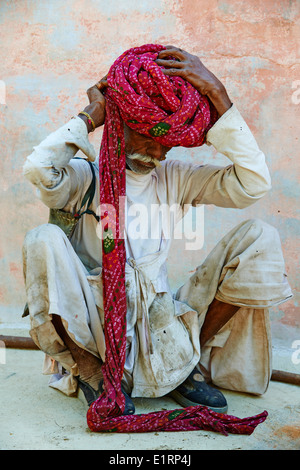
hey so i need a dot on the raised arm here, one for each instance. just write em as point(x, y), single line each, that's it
point(95, 112)
point(50, 167)
point(248, 179)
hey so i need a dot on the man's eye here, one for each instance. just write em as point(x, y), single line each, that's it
point(145, 136)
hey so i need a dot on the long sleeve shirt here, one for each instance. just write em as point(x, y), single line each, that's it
point(62, 181)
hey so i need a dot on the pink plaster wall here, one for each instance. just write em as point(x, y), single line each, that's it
point(51, 52)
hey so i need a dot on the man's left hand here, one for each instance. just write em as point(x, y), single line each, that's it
point(191, 68)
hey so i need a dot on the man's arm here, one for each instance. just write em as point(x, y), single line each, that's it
point(49, 167)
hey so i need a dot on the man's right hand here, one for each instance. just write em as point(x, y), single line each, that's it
point(96, 108)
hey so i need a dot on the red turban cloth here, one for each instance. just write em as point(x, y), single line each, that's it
point(168, 109)
point(172, 112)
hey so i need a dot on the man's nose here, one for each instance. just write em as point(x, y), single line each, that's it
point(157, 150)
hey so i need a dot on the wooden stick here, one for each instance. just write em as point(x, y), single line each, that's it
point(19, 342)
point(287, 377)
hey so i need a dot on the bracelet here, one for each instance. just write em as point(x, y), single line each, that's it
point(90, 120)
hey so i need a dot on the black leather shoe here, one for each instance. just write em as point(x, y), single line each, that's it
point(91, 395)
point(195, 391)
point(89, 392)
point(129, 406)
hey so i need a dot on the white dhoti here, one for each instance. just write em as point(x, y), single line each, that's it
point(246, 268)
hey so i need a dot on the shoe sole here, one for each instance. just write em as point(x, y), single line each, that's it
point(185, 402)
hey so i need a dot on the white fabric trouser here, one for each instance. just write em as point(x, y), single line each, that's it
point(246, 268)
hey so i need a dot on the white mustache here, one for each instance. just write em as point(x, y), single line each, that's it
point(144, 158)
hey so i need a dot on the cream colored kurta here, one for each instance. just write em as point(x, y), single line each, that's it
point(162, 328)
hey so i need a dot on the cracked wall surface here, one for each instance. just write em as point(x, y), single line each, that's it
point(51, 52)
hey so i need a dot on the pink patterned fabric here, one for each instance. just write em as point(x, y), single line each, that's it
point(168, 109)
point(172, 112)
point(194, 418)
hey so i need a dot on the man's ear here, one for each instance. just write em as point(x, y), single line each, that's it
point(126, 132)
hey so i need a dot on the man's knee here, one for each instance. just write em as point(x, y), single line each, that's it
point(258, 228)
point(45, 234)
point(259, 225)
point(265, 238)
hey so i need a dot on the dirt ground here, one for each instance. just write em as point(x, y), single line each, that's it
point(34, 416)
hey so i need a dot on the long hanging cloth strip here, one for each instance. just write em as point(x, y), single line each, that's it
point(172, 112)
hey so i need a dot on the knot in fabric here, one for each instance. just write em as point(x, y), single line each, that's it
point(132, 263)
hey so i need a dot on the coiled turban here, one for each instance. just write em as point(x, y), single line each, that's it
point(166, 108)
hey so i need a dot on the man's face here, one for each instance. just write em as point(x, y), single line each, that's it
point(143, 154)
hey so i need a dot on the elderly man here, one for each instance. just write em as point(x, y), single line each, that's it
point(214, 331)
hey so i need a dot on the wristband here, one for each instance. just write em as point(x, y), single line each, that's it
point(90, 120)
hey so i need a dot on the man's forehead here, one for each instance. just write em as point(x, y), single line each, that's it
point(133, 133)
point(132, 136)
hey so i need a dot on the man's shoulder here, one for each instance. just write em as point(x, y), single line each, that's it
point(174, 168)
